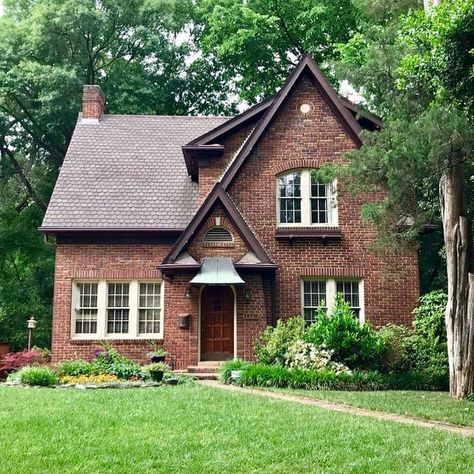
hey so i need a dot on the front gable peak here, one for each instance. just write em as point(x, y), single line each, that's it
point(308, 67)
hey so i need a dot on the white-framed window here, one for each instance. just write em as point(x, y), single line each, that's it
point(86, 308)
point(149, 308)
point(117, 309)
point(321, 293)
point(303, 201)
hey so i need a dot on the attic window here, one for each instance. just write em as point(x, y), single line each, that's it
point(218, 234)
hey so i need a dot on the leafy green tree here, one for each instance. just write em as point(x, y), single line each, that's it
point(423, 156)
point(139, 51)
point(257, 42)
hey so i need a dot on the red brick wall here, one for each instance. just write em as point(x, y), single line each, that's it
point(235, 250)
point(209, 175)
point(297, 140)
point(293, 140)
point(93, 102)
point(127, 262)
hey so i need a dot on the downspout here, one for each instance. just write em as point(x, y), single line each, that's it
point(273, 297)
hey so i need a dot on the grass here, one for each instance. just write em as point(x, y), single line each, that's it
point(197, 429)
point(437, 406)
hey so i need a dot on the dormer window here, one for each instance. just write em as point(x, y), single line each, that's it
point(218, 234)
point(304, 201)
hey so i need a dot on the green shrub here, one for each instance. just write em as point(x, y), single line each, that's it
point(429, 316)
point(110, 361)
point(74, 367)
point(427, 346)
point(356, 345)
point(427, 379)
point(281, 377)
point(395, 356)
point(225, 370)
point(272, 345)
point(262, 375)
point(42, 376)
point(470, 397)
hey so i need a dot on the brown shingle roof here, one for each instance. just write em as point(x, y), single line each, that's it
point(127, 172)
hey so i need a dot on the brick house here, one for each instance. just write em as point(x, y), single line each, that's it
point(201, 231)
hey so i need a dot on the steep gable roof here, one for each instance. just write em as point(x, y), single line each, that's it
point(127, 173)
point(217, 196)
point(305, 66)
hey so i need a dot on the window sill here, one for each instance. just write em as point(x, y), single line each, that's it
point(316, 233)
point(219, 244)
point(128, 339)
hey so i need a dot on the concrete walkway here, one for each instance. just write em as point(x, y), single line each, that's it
point(462, 430)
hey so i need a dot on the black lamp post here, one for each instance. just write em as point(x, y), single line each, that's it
point(31, 327)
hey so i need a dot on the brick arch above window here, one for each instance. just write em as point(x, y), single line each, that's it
point(292, 165)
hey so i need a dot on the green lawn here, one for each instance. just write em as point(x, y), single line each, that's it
point(427, 405)
point(200, 429)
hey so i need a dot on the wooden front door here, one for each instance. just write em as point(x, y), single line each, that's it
point(217, 323)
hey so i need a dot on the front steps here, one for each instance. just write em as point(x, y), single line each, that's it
point(202, 371)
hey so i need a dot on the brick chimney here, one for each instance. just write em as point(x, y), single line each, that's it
point(93, 102)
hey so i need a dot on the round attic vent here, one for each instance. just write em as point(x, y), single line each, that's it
point(305, 108)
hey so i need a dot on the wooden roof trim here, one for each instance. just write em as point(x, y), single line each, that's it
point(328, 93)
point(217, 195)
point(236, 122)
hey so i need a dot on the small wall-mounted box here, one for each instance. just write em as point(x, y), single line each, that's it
point(184, 320)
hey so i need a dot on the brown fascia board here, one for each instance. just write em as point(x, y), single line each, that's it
point(236, 122)
point(306, 64)
point(176, 268)
point(256, 267)
point(217, 195)
point(110, 231)
point(362, 113)
point(192, 152)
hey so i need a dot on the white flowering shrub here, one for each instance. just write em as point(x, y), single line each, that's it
point(305, 355)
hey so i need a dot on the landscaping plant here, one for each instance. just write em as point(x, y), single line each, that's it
point(16, 360)
point(272, 345)
point(74, 367)
point(41, 376)
point(226, 369)
point(354, 344)
point(109, 361)
point(156, 370)
point(87, 379)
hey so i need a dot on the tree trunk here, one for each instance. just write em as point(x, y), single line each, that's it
point(460, 307)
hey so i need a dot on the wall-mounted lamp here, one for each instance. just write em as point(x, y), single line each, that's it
point(187, 293)
point(248, 294)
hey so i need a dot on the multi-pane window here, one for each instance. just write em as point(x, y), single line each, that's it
point(86, 309)
point(304, 201)
point(350, 290)
point(320, 202)
point(149, 308)
point(289, 196)
point(118, 309)
point(319, 293)
point(314, 298)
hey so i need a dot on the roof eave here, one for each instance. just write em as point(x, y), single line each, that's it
point(118, 230)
